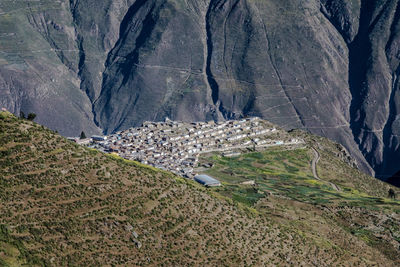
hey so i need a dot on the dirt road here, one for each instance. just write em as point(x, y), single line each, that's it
point(314, 163)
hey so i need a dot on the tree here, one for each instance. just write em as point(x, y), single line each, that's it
point(22, 114)
point(391, 193)
point(31, 116)
point(83, 135)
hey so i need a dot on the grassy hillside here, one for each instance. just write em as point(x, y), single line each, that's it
point(287, 191)
point(61, 204)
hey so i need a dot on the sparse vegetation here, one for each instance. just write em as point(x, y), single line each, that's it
point(61, 204)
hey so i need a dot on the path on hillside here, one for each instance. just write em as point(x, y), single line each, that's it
point(314, 169)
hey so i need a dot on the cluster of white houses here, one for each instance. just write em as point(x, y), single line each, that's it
point(176, 146)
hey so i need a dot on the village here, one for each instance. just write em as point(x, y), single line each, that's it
point(176, 146)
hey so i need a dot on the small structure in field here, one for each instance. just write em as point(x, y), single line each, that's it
point(231, 154)
point(250, 182)
point(207, 180)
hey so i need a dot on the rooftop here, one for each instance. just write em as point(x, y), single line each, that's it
point(207, 180)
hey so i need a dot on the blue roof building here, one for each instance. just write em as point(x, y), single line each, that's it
point(206, 180)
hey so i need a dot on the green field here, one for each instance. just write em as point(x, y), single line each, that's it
point(286, 190)
point(285, 173)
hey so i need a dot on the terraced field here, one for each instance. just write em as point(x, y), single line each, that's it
point(285, 184)
point(65, 205)
point(288, 173)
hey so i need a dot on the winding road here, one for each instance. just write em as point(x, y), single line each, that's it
point(314, 163)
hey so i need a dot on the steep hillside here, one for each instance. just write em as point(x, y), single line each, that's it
point(62, 204)
point(295, 183)
point(326, 66)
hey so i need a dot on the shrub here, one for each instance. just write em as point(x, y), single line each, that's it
point(31, 116)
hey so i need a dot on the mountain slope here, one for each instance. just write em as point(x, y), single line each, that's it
point(62, 204)
point(328, 66)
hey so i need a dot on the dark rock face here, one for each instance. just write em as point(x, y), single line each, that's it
point(328, 66)
point(395, 179)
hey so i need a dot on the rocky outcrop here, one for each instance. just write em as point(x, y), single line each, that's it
point(328, 66)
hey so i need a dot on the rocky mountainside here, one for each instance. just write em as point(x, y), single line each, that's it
point(328, 66)
point(66, 205)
